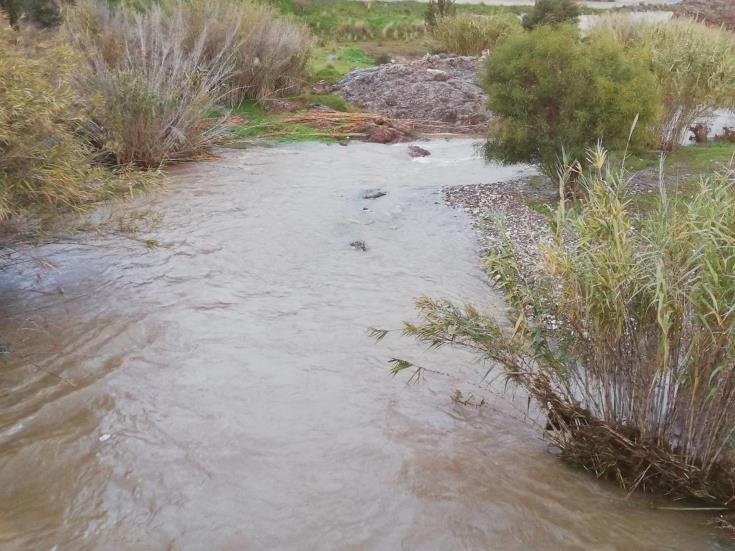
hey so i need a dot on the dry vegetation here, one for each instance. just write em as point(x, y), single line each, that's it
point(121, 86)
point(712, 12)
point(44, 164)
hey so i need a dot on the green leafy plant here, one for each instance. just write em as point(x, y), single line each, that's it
point(552, 91)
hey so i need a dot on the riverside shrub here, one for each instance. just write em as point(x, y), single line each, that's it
point(467, 34)
point(154, 74)
point(44, 164)
point(271, 51)
point(623, 336)
point(553, 92)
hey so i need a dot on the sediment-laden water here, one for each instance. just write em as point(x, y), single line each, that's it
point(220, 391)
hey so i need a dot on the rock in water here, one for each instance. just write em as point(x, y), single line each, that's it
point(359, 245)
point(374, 194)
point(416, 151)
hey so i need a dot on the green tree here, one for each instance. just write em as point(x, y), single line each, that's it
point(553, 92)
point(551, 12)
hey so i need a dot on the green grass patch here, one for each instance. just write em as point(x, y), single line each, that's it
point(693, 159)
point(337, 103)
point(331, 64)
point(332, 18)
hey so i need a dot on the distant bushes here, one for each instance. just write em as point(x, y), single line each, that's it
point(555, 93)
point(43, 13)
point(354, 30)
point(551, 12)
point(693, 64)
point(467, 34)
point(404, 30)
point(437, 9)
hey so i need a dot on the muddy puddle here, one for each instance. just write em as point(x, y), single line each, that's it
point(219, 391)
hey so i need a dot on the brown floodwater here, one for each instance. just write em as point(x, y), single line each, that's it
point(220, 391)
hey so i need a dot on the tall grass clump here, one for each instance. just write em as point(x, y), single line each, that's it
point(467, 34)
point(44, 163)
point(625, 336)
point(693, 63)
point(149, 85)
point(153, 74)
point(271, 51)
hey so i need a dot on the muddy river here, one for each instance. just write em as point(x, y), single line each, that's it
point(219, 391)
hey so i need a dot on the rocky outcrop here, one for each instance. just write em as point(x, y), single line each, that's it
point(438, 93)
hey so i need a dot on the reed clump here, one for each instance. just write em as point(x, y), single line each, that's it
point(624, 337)
point(694, 65)
point(468, 34)
point(45, 162)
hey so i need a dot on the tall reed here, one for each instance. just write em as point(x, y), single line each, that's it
point(45, 163)
point(626, 336)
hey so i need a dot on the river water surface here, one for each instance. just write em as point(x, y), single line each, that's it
point(219, 391)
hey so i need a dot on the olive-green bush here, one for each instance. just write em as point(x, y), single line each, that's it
point(44, 164)
point(553, 92)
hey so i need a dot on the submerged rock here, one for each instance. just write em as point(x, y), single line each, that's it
point(374, 194)
point(416, 151)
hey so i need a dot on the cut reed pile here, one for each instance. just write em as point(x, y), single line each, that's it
point(625, 337)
